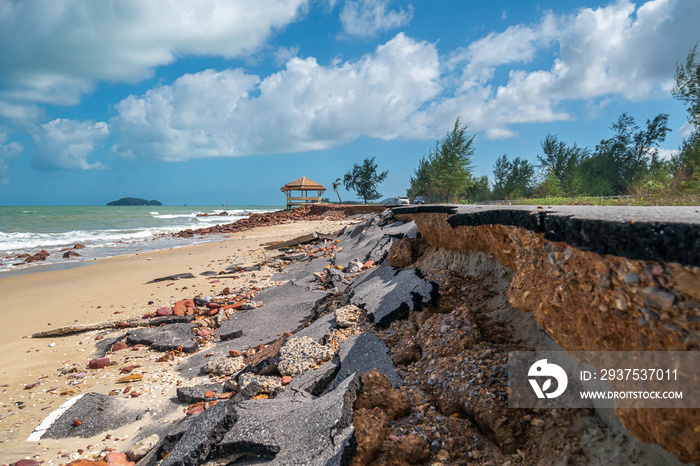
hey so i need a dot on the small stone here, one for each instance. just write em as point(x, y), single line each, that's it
point(205, 332)
point(234, 353)
point(266, 383)
point(347, 316)
point(76, 422)
point(300, 354)
point(118, 346)
point(99, 363)
point(367, 265)
point(164, 311)
point(210, 394)
point(434, 446)
point(130, 378)
point(251, 305)
point(286, 380)
point(225, 365)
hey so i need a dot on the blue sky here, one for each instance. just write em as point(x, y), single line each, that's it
point(213, 102)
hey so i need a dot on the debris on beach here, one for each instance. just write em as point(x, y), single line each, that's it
point(366, 358)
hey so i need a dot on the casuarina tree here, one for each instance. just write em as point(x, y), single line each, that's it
point(363, 179)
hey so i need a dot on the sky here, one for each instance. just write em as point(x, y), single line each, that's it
point(224, 101)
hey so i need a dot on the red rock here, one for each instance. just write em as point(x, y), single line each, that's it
point(209, 394)
point(181, 307)
point(138, 347)
point(78, 246)
point(205, 332)
point(213, 312)
point(118, 346)
point(260, 347)
point(76, 422)
point(214, 305)
point(118, 459)
point(286, 334)
point(31, 385)
point(69, 254)
point(286, 380)
point(26, 462)
point(234, 353)
point(226, 396)
point(134, 394)
point(164, 311)
point(99, 363)
point(367, 265)
point(195, 409)
point(226, 291)
point(127, 369)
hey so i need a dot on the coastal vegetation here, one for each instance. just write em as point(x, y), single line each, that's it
point(364, 179)
point(627, 163)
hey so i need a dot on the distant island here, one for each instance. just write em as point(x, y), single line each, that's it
point(133, 201)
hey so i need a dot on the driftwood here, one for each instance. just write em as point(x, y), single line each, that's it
point(293, 242)
point(132, 323)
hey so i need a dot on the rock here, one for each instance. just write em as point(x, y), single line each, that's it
point(204, 332)
point(286, 380)
point(387, 294)
point(26, 462)
point(314, 381)
point(78, 246)
point(363, 353)
point(377, 392)
point(320, 328)
point(266, 383)
point(118, 459)
point(370, 432)
point(184, 307)
point(118, 346)
point(99, 363)
point(225, 365)
point(164, 311)
point(192, 445)
point(191, 395)
point(347, 316)
point(69, 254)
point(301, 353)
point(367, 265)
point(322, 428)
point(141, 448)
point(165, 338)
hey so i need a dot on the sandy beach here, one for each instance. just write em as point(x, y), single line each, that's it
point(111, 289)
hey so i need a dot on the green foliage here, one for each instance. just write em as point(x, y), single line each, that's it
point(445, 174)
point(564, 163)
point(622, 160)
point(336, 185)
point(550, 187)
point(687, 86)
point(363, 179)
point(512, 179)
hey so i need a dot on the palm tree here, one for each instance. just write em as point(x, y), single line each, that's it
point(337, 183)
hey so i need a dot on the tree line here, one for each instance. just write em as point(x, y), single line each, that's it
point(627, 162)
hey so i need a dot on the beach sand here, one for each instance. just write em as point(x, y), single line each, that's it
point(111, 289)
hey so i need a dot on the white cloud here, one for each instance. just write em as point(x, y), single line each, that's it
point(367, 18)
point(686, 130)
point(7, 151)
point(306, 106)
point(615, 50)
point(55, 50)
point(284, 54)
point(65, 144)
point(666, 154)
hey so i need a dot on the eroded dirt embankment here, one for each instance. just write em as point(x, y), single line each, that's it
point(642, 299)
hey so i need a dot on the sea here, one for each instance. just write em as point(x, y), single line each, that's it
point(104, 231)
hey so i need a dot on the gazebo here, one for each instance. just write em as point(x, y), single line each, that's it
point(304, 185)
